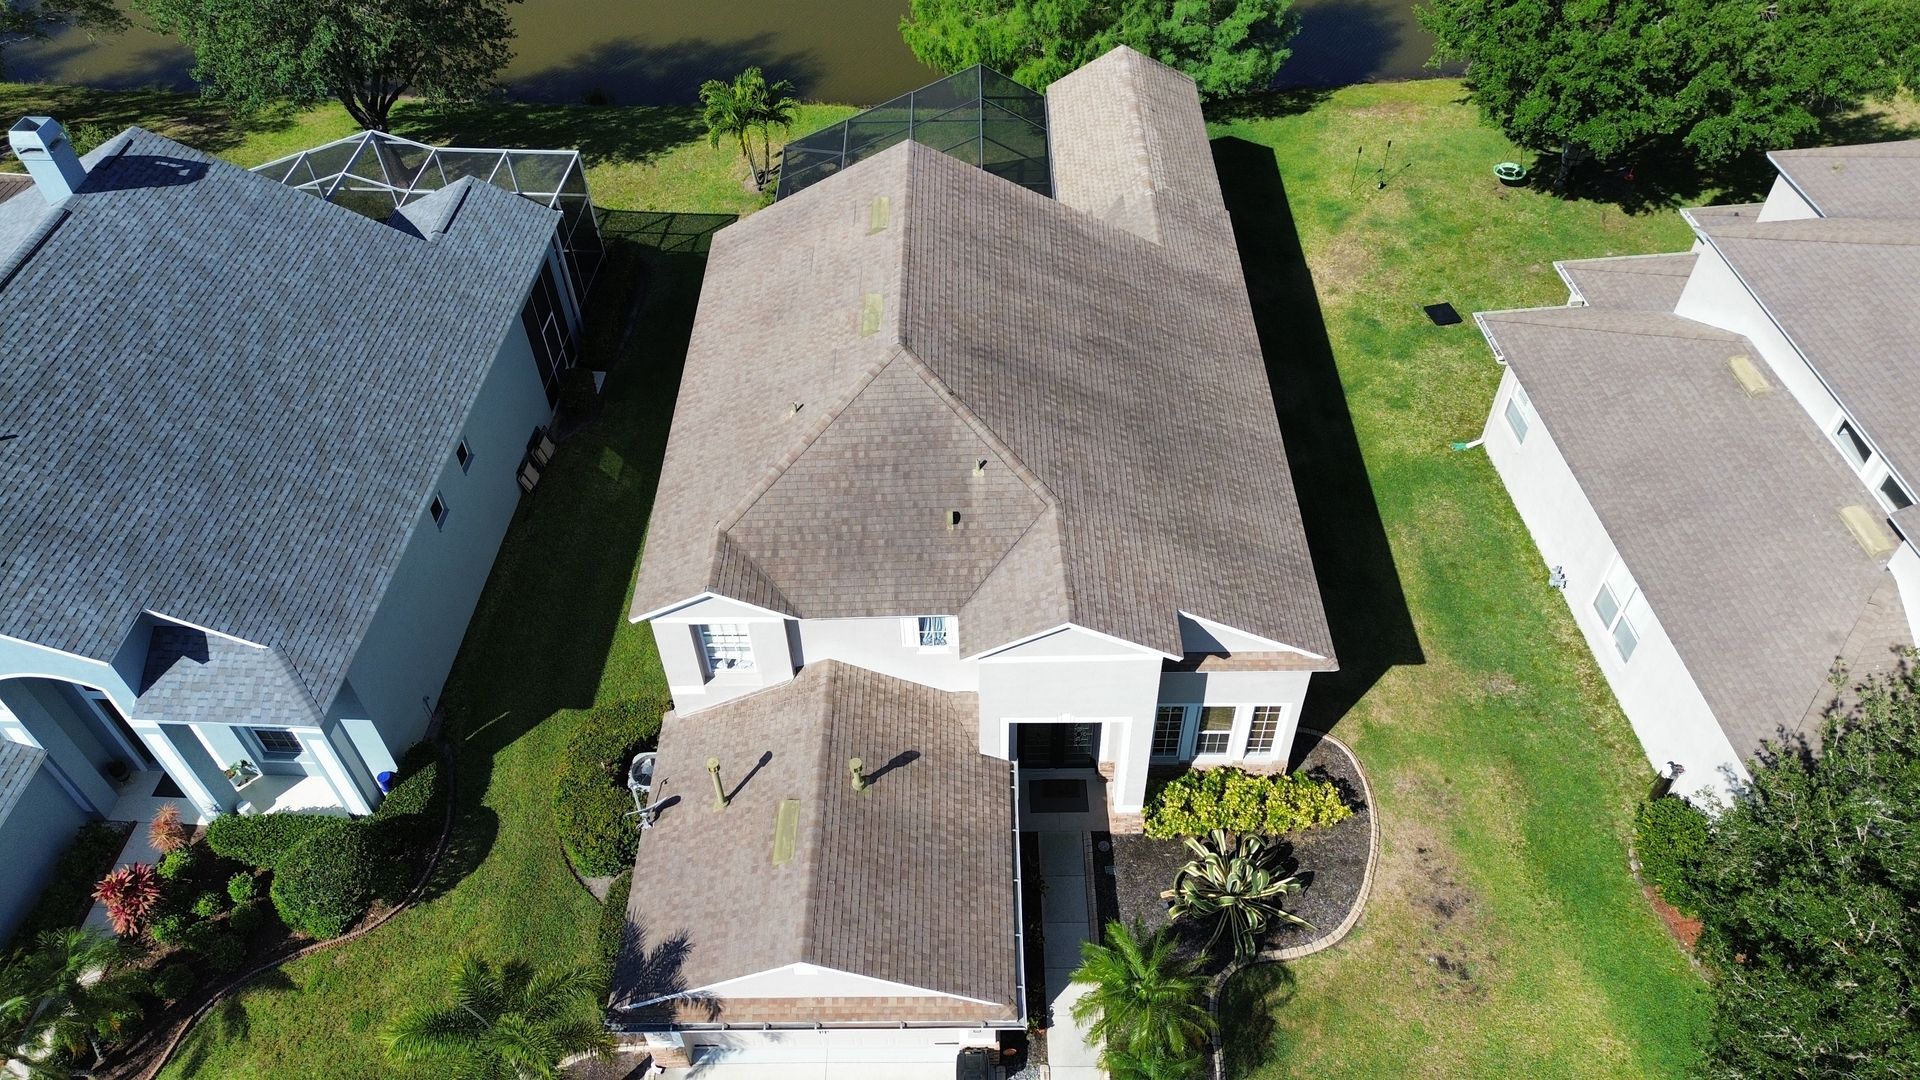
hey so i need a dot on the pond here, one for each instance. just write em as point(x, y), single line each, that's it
point(659, 51)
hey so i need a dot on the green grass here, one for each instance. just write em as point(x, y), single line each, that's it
point(1504, 936)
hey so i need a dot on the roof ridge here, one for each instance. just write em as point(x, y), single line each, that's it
point(814, 898)
point(978, 426)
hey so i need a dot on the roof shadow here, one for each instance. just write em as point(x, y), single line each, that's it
point(1359, 583)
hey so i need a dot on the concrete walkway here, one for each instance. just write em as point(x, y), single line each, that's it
point(1065, 923)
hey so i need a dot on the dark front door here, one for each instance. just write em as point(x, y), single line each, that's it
point(1056, 746)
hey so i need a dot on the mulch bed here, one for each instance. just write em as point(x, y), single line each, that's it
point(1684, 928)
point(1331, 863)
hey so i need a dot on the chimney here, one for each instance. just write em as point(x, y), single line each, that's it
point(42, 145)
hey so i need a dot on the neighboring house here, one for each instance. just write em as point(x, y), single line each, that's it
point(257, 452)
point(960, 475)
point(1715, 452)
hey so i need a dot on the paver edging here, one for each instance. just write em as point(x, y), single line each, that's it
point(245, 977)
point(1218, 982)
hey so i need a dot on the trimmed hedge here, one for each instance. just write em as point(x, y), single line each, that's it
point(1670, 836)
point(590, 799)
point(263, 840)
point(326, 882)
point(613, 921)
point(419, 791)
point(1246, 804)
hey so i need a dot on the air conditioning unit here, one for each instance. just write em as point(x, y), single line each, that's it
point(529, 475)
point(540, 449)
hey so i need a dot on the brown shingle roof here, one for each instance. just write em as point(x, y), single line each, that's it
point(1114, 385)
point(910, 881)
point(1875, 180)
point(1630, 282)
point(1725, 507)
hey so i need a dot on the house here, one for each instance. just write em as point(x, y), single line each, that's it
point(1714, 451)
point(257, 451)
point(974, 464)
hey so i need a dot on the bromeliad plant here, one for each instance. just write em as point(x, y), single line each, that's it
point(129, 894)
point(166, 832)
point(1231, 883)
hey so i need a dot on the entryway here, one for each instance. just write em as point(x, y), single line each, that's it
point(1056, 745)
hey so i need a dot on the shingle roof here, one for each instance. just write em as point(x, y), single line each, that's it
point(195, 677)
point(1113, 385)
point(910, 881)
point(232, 397)
point(1630, 282)
point(1725, 507)
point(1874, 180)
point(18, 764)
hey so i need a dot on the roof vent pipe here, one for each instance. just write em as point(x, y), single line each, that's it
point(42, 145)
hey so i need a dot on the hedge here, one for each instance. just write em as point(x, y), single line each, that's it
point(590, 798)
point(612, 930)
point(1197, 802)
point(326, 882)
point(1669, 836)
point(263, 840)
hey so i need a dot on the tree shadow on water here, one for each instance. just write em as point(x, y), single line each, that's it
point(1359, 583)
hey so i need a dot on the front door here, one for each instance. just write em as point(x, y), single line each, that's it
point(1056, 746)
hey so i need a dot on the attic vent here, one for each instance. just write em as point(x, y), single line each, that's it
point(878, 214)
point(980, 466)
point(1748, 375)
point(1867, 530)
point(953, 519)
point(786, 830)
point(870, 309)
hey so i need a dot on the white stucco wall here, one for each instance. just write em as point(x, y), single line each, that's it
point(1244, 690)
point(1905, 567)
point(813, 981)
point(1655, 690)
point(1785, 203)
point(693, 687)
point(889, 646)
point(865, 1046)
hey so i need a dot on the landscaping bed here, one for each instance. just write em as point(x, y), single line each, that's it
point(1331, 862)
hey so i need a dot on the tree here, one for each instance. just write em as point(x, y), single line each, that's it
point(505, 1022)
point(746, 106)
point(1713, 78)
point(1145, 1006)
point(1231, 883)
point(1229, 46)
point(1809, 887)
point(59, 998)
point(365, 54)
point(31, 20)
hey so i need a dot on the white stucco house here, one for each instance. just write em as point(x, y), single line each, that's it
point(1715, 452)
point(974, 465)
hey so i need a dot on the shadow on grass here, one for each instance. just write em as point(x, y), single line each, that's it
point(1359, 584)
point(1247, 1003)
point(92, 115)
point(602, 133)
point(226, 1023)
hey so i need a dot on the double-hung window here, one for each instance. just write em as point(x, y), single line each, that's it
point(1216, 730)
point(725, 647)
point(1617, 594)
point(1519, 413)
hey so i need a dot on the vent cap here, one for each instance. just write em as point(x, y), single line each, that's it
point(1747, 373)
point(1868, 530)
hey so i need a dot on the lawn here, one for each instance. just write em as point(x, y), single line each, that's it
point(1504, 936)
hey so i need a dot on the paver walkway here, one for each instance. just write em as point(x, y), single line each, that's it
point(1064, 923)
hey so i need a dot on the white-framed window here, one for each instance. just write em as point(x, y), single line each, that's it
point(276, 743)
point(1850, 442)
point(1215, 732)
point(933, 631)
point(1169, 730)
point(1871, 469)
point(1264, 729)
point(1519, 413)
point(724, 647)
point(1616, 595)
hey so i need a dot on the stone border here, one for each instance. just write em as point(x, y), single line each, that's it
point(1219, 982)
point(237, 982)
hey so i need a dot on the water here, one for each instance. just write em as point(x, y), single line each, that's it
point(659, 51)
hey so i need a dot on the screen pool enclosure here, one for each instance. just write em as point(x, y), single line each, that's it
point(978, 115)
point(374, 174)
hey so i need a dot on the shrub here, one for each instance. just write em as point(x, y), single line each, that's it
point(262, 840)
point(172, 982)
point(1198, 802)
point(247, 917)
point(1670, 837)
point(224, 950)
point(240, 887)
point(170, 929)
point(590, 798)
point(165, 832)
point(419, 789)
point(177, 865)
point(613, 920)
point(130, 895)
point(407, 824)
point(325, 884)
point(208, 904)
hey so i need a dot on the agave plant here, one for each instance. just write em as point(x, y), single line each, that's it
point(1231, 883)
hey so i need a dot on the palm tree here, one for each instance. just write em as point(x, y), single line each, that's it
point(1231, 883)
point(744, 106)
point(509, 1023)
point(57, 997)
point(1146, 1004)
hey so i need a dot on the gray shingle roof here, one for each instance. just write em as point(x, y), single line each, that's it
point(910, 881)
point(233, 398)
point(195, 677)
point(1725, 507)
point(1630, 282)
point(1874, 180)
point(1114, 386)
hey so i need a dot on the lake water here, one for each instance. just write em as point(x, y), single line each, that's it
point(659, 51)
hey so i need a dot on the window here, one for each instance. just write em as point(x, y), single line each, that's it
point(1169, 723)
point(1856, 448)
point(438, 508)
point(1616, 594)
point(464, 455)
point(276, 742)
point(1894, 495)
point(1216, 729)
point(725, 647)
point(933, 631)
point(1265, 728)
point(545, 320)
point(1519, 413)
